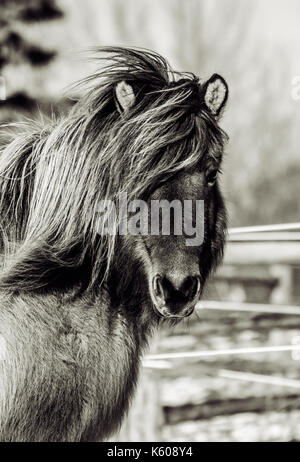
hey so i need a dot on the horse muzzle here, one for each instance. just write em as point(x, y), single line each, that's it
point(175, 297)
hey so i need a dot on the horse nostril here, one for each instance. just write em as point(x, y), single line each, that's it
point(190, 287)
point(174, 291)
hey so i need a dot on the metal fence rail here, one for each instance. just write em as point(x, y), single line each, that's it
point(259, 378)
point(223, 352)
point(265, 228)
point(248, 307)
point(283, 236)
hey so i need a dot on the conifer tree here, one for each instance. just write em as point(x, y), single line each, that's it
point(16, 49)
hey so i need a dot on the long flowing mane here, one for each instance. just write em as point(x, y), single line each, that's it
point(52, 177)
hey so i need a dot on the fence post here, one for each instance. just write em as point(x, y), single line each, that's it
point(145, 418)
point(283, 292)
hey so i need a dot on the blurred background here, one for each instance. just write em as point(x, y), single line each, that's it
point(255, 45)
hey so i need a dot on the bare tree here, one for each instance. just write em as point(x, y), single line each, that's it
point(213, 36)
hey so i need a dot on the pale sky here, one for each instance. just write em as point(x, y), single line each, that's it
point(279, 22)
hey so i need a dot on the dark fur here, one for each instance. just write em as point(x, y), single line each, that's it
point(76, 309)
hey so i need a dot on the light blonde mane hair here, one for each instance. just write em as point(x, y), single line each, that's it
point(52, 177)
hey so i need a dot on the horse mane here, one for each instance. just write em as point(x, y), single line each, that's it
point(53, 176)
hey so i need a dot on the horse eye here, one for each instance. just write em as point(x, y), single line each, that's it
point(211, 177)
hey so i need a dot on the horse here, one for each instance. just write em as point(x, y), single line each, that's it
point(79, 305)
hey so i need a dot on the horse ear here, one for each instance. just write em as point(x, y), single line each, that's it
point(215, 93)
point(125, 96)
